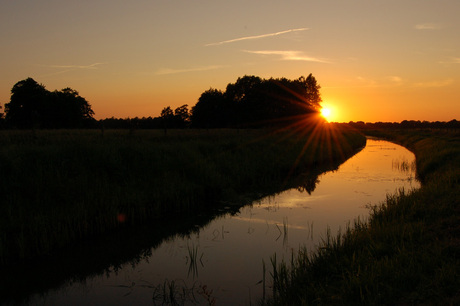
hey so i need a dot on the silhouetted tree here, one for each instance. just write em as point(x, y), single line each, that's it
point(2, 119)
point(210, 110)
point(243, 89)
point(167, 117)
point(67, 109)
point(181, 116)
point(31, 105)
point(26, 103)
point(245, 99)
point(312, 93)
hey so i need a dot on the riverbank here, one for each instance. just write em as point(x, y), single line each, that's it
point(407, 253)
point(63, 186)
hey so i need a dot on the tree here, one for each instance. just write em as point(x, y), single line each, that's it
point(181, 116)
point(252, 102)
point(67, 109)
point(210, 111)
point(311, 87)
point(27, 100)
point(167, 117)
point(2, 120)
point(178, 119)
point(244, 89)
point(31, 105)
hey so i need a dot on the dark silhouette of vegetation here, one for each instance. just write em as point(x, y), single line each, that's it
point(405, 124)
point(211, 110)
point(178, 119)
point(249, 102)
point(255, 102)
point(59, 187)
point(32, 106)
point(131, 123)
point(2, 119)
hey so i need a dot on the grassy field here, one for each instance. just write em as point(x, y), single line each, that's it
point(59, 186)
point(407, 253)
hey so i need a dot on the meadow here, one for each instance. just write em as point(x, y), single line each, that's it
point(62, 186)
point(407, 253)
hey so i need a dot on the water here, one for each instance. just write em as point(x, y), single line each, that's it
point(222, 261)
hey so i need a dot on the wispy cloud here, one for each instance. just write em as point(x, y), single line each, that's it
point(68, 68)
point(164, 71)
point(366, 82)
point(392, 81)
point(92, 66)
point(256, 37)
point(289, 55)
point(395, 79)
point(442, 83)
point(454, 60)
point(427, 26)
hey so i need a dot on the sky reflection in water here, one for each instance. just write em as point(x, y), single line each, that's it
point(228, 252)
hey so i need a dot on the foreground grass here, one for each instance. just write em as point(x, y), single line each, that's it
point(61, 186)
point(407, 253)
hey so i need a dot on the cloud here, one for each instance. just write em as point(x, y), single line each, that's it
point(68, 68)
point(256, 37)
point(92, 66)
point(165, 71)
point(366, 82)
point(289, 55)
point(395, 79)
point(443, 83)
point(427, 26)
point(454, 60)
point(392, 81)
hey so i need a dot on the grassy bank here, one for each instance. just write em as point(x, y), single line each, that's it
point(62, 186)
point(407, 253)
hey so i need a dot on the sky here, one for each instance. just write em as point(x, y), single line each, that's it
point(376, 60)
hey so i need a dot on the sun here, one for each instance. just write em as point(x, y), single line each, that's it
point(326, 113)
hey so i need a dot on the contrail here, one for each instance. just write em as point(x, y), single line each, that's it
point(256, 37)
point(92, 66)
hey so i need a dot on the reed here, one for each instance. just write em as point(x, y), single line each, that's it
point(60, 186)
point(171, 293)
point(406, 253)
point(193, 260)
point(178, 293)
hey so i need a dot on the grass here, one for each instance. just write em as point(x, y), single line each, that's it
point(62, 186)
point(407, 253)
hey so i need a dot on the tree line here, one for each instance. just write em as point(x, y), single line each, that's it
point(405, 124)
point(249, 102)
point(255, 102)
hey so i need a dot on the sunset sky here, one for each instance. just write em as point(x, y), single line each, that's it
point(376, 60)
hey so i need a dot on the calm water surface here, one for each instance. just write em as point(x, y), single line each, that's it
point(223, 260)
